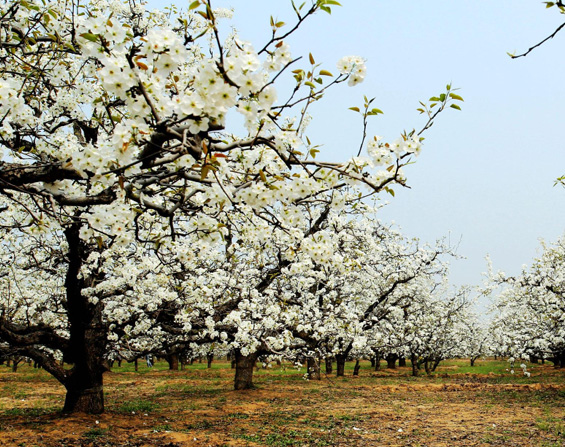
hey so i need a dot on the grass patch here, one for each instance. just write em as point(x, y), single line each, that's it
point(138, 406)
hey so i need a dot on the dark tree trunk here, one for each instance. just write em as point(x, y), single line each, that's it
point(210, 359)
point(427, 367)
point(533, 359)
point(313, 366)
point(402, 362)
point(414, 362)
point(87, 343)
point(436, 364)
point(391, 361)
point(473, 360)
point(173, 361)
point(85, 393)
point(357, 367)
point(15, 365)
point(378, 358)
point(244, 365)
point(136, 365)
point(329, 365)
point(340, 368)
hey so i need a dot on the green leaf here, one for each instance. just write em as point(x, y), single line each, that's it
point(204, 172)
point(90, 36)
point(456, 97)
point(455, 106)
point(355, 109)
point(325, 73)
point(312, 61)
point(194, 5)
point(434, 98)
point(310, 84)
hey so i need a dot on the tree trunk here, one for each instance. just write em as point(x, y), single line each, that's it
point(402, 362)
point(391, 361)
point(473, 359)
point(357, 367)
point(87, 342)
point(210, 358)
point(329, 365)
point(85, 392)
point(244, 365)
point(136, 365)
point(313, 366)
point(427, 367)
point(15, 365)
point(340, 360)
point(173, 361)
point(414, 362)
point(378, 357)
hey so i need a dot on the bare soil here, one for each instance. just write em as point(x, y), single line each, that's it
point(199, 408)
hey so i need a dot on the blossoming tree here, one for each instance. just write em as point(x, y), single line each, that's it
point(115, 133)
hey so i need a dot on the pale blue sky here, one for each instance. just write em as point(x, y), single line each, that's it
point(486, 174)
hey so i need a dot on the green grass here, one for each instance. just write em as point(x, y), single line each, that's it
point(95, 433)
point(137, 406)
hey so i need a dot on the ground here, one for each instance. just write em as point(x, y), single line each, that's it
point(458, 406)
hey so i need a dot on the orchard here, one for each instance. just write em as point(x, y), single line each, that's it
point(161, 199)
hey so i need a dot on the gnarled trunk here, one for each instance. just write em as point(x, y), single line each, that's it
point(402, 362)
point(244, 365)
point(210, 359)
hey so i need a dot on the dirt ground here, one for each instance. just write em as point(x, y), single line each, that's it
point(199, 408)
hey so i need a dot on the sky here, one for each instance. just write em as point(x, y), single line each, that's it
point(485, 178)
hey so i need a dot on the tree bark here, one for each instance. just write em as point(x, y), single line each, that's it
point(244, 365)
point(340, 360)
point(378, 358)
point(391, 361)
point(402, 362)
point(173, 361)
point(357, 367)
point(313, 366)
point(414, 362)
point(87, 343)
point(329, 365)
point(210, 359)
